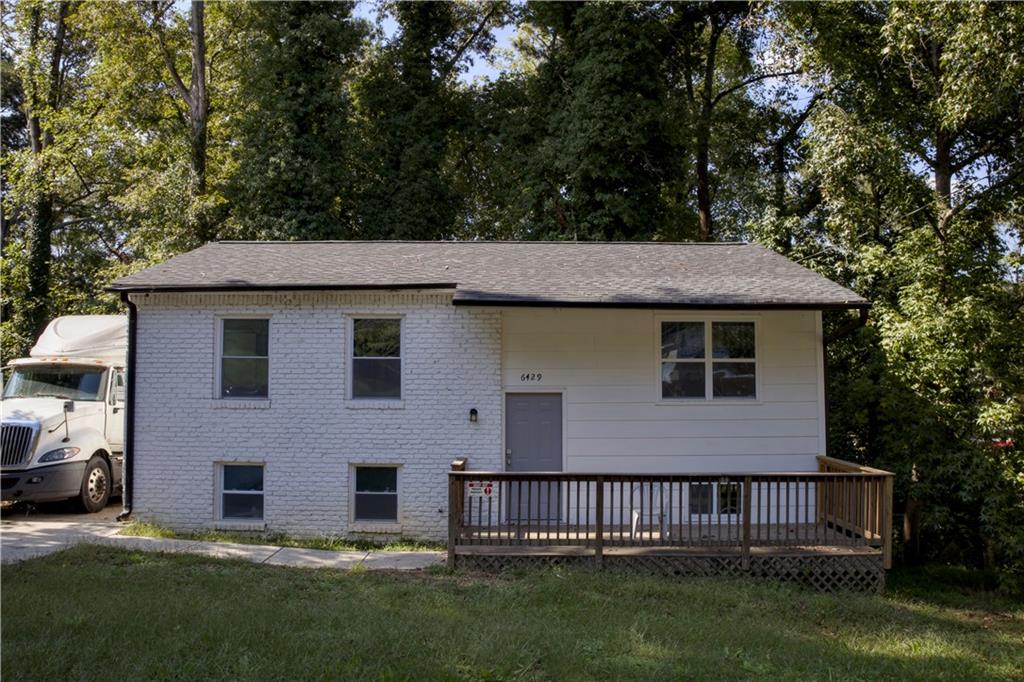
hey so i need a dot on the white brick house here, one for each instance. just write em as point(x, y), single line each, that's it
point(324, 388)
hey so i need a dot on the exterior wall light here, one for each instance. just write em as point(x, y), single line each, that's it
point(473, 415)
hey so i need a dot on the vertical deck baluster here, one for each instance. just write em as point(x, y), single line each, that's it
point(587, 535)
point(796, 510)
point(757, 505)
point(813, 511)
point(630, 484)
point(577, 499)
point(548, 525)
point(650, 513)
point(778, 511)
point(700, 512)
point(622, 511)
point(689, 516)
point(490, 527)
point(668, 527)
point(529, 509)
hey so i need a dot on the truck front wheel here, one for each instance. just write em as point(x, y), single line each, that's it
point(95, 486)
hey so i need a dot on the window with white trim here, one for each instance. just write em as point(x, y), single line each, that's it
point(377, 358)
point(700, 498)
point(244, 357)
point(241, 492)
point(714, 498)
point(376, 493)
point(689, 371)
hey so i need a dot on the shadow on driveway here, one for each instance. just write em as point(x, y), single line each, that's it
point(28, 531)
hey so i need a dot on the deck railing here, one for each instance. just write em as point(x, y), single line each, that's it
point(842, 506)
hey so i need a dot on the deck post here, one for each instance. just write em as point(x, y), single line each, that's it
point(455, 502)
point(746, 523)
point(599, 540)
point(887, 522)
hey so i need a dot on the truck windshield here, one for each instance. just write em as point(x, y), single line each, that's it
point(68, 382)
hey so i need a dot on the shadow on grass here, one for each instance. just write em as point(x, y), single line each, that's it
point(950, 586)
point(325, 542)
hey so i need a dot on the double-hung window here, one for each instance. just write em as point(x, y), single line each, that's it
point(241, 492)
point(714, 498)
point(377, 358)
point(376, 493)
point(707, 360)
point(244, 357)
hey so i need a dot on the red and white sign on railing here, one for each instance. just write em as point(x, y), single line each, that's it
point(480, 488)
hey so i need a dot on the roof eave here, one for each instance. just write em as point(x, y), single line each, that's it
point(238, 288)
point(662, 305)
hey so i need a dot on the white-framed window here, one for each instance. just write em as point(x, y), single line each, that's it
point(376, 358)
point(707, 499)
point(243, 368)
point(708, 359)
point(728, 498)
point(376, 493)
point(240, 492)
point(701, 497)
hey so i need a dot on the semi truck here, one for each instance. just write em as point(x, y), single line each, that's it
point(62, 414)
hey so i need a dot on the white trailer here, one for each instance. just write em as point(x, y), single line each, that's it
point(62, 415)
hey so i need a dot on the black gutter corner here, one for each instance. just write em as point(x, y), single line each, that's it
point(849, 327)
point(128, 477)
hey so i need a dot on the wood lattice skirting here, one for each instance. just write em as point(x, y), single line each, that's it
point(856, 573)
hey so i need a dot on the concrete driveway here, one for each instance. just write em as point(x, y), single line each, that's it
point(27, 532)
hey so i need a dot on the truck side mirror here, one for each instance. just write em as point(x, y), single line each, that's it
point(69, 405)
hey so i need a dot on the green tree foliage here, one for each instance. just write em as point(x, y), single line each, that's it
point(877, 142)
point(601, 144)
point(295, 146)
point(53, 208)
point(920, 174)
point(408, 110)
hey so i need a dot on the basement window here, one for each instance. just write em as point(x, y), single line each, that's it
point(241, 492)
point(376, 494)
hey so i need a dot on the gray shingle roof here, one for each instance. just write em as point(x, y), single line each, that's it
point(606, 274)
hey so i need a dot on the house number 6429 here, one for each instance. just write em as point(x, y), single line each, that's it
point(530, 376)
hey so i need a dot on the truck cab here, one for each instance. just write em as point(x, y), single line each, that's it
point(62, 414)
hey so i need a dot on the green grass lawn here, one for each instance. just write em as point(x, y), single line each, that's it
point(92, 612)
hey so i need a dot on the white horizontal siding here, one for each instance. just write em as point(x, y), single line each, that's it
point(606, 364)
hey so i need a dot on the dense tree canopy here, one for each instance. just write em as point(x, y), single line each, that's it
point(879, 143)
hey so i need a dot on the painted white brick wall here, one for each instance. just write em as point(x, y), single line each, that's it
point(311, 435)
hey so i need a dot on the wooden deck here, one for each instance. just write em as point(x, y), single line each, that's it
point(825, 524)
point(716, 535)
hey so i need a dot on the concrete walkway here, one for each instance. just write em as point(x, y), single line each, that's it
point(26, 537)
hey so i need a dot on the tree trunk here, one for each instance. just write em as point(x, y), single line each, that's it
point(943, 182)
point(703, 142)
point(703, 183)
point(41, 219)
point(197, 100)
point(783, 240)
point(200, 105)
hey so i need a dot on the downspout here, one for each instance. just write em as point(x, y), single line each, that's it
point(842, 332)
point(128, 478)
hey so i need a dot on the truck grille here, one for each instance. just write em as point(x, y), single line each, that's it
point(15, 444)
